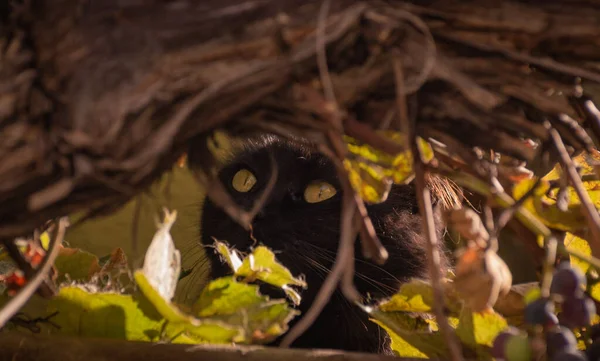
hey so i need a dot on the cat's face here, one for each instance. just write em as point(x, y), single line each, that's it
point(301, 219)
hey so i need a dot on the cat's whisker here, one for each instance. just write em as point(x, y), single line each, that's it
point(199, 271)
point(323, 253)
point(380, 286)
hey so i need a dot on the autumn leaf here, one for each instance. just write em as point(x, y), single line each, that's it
point(372, 171)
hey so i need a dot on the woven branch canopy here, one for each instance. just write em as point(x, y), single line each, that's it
point(99, 98)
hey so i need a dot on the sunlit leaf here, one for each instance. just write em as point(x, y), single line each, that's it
point(476, 329)
point(262, 265)
point(107, 315)
point(400, 346)
point(543, 202)
point(241, 304)
point(228, 311)
point(230, 256)
point(579, 244)
point(583, 161)
point(403, 330)
point(368, 180)
point(417, 296)
point(372, 171)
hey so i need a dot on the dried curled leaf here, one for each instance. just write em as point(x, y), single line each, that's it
point(468, 223)
point(481, 276)
point(162, 263)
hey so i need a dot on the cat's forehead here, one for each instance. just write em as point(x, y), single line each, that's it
point(283, 150)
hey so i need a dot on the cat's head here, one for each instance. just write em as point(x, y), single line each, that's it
point(301, 217)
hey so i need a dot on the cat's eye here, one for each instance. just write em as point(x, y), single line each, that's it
point(243, 181)
point(318, 192)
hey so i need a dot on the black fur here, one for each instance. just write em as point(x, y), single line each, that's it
point(306, 238)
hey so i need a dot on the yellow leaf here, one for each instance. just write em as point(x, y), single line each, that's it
point(581, 245)
point(544, 205)
point(372, 171)
point(583, 161)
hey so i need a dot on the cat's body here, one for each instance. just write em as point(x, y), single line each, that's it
point(305, 236)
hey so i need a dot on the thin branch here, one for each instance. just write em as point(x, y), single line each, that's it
point(322, 53)
point(589, 210)
point(135, 226)
point(546, 63)
point(433, 257)
point(428, 227)
point(584, 178)
point(402, 109)
point(551, 248)
point(506, 215)
point(262, 199)
point(333, 278)
point(430, 53)
point(14, 305)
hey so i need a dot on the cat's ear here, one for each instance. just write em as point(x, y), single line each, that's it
point(444, 193)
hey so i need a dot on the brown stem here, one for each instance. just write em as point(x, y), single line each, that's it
point(433, 257)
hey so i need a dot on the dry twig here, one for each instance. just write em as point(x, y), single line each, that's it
point(433, 256)
point(589, 210)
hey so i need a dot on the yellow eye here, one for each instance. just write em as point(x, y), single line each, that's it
point(318, 192)
point(243, 181)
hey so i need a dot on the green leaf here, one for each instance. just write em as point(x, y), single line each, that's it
point(226, 296)
point(76, 265)
point(241, 304)
point(262, 265)
point(201, 330)
point(164, 307)
point(231, 256)
point(107, 315)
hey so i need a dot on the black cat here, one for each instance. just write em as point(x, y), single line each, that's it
point(301, 221)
